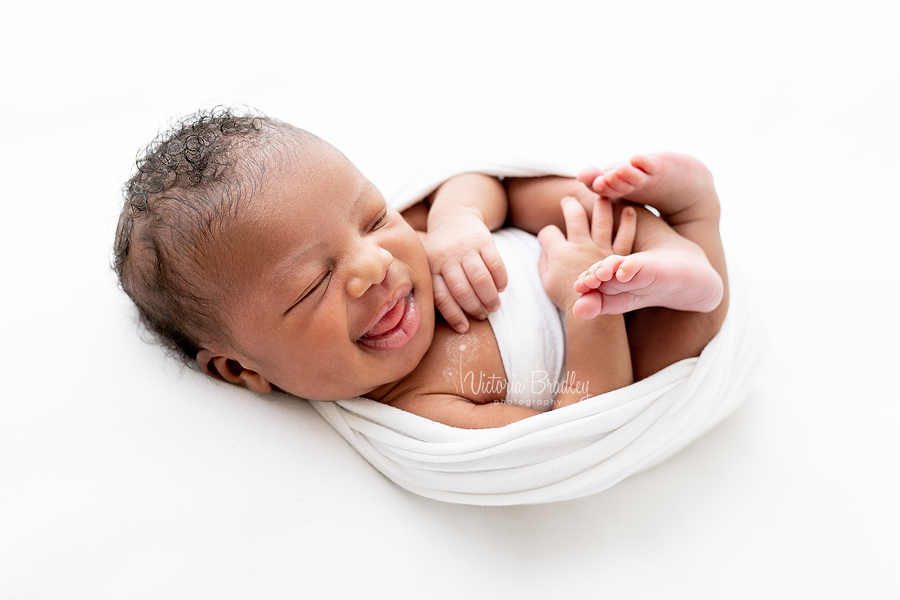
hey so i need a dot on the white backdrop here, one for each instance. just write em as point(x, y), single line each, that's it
point(124, 475)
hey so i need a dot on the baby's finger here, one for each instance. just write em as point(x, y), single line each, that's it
point(483, 283)
point(602, 222)
point(576, 219)
point(445, 303)
point(624, 242)
point(550, 236)
point(461, 288)
point(495, 264)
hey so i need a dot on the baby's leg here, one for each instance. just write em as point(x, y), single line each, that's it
point(681, 189)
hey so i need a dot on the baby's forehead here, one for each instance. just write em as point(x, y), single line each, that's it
point(306, 194)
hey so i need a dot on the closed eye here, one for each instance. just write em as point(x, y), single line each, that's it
point(380, 221)
point(320, 283)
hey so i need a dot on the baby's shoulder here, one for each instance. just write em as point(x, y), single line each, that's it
point(467, 365)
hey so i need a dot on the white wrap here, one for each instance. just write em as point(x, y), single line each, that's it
point(561, 454)
point(530, 330)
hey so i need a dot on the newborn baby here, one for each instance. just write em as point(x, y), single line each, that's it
point(261, 254)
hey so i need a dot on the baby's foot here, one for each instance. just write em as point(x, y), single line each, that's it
point(669, 182)
point(676, 276)
point(591, 303)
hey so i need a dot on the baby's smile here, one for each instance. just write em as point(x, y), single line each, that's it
point(396, 323)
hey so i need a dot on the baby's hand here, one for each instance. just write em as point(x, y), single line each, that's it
point(466, 268)
point(564, 258)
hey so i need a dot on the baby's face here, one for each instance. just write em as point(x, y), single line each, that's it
point(332, 293)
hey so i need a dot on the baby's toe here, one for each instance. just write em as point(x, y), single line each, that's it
point(579, 285)
point(648, 163)
point(588, 306)
point(607, 268)
point(618, 185)
point(627, 269)
point(590, 281)
point(632, 176)
point(589, 175)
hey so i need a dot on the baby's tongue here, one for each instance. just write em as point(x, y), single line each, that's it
point(389, 320)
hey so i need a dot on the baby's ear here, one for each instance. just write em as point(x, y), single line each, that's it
point(230, 370)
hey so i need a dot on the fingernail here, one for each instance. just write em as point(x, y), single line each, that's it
point(461, 328)
point(482, 316)
point(495, 307)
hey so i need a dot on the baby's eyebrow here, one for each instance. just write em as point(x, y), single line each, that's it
point(287, 266)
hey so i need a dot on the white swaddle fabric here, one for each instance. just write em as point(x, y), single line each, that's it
point(561, 454)
point(530, 330)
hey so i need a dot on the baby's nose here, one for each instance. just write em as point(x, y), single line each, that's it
point(370, 268)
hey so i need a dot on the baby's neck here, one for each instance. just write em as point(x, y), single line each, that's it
point(380, 393)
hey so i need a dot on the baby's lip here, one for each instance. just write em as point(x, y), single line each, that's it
point(400, 293)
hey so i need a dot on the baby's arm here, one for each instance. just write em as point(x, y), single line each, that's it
point(534, 201)
point(598, 358)
point(466, 268)
point(456, 411)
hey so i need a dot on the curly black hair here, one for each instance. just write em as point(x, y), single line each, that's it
point(188, 183)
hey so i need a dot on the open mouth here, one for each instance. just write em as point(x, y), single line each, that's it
point(396, 327)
